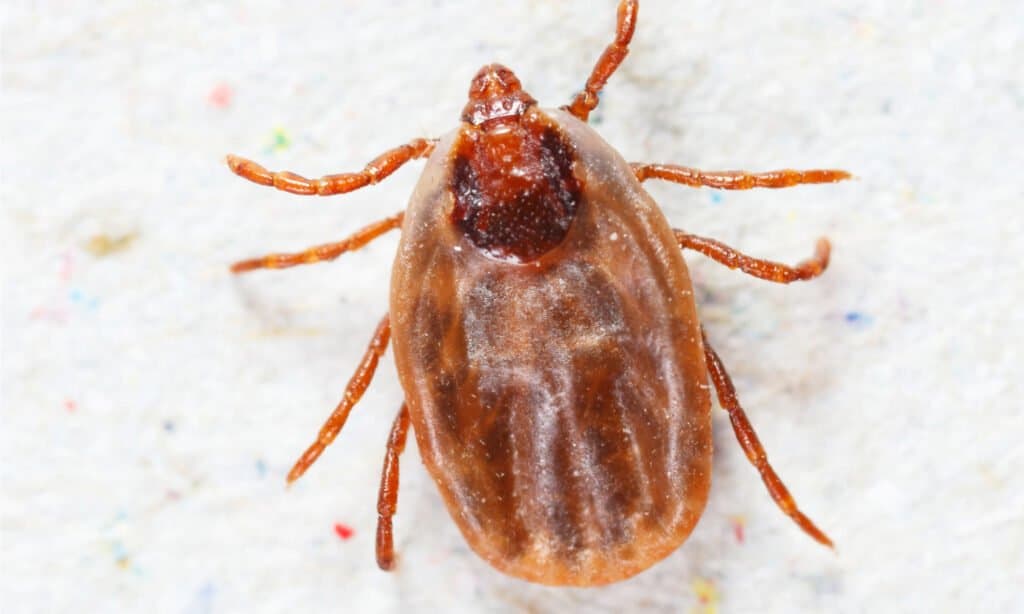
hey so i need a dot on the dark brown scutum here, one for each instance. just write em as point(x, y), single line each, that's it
point(515, 192)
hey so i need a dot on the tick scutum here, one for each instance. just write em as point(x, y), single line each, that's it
point(515, 193)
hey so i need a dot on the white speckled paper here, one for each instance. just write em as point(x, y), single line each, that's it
point(152, 403)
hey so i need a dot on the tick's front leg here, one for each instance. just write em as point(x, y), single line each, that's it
point(321, 253)
point(625, 24)
point(353, 392)
point(752, 446)
point(764, 269)
point(375, 171)
point(387, 499)
point(735, 180)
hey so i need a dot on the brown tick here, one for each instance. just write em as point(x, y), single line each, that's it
point(554, 368)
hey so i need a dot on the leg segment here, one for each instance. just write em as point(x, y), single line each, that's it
point(375, 171)
point(353, 392)
point(321, 253)
point(752, 446)
point(586, 101)
point(735, 180)
point(387, 500)
point(765, 269)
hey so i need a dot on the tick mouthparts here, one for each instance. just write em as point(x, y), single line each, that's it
point(495, 94)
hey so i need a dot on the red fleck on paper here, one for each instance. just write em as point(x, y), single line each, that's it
point(738, 524)
point(220, 96)
point(344, 531)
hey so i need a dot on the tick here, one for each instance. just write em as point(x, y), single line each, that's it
point(554, 368)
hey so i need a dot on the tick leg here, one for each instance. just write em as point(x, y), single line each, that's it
point(353, 392)
point(752, 446)
point(735, 180)
point(586, 101)
point(387, 500)
point(375, 171)
point(321, 253)
point(765, 269)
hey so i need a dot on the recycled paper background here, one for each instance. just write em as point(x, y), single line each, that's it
point(152, 402)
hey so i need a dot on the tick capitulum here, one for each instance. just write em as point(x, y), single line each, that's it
point(554, 368)
point(496, 97)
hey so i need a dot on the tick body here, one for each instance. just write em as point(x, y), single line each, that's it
point(561, 403)
point(556, 375)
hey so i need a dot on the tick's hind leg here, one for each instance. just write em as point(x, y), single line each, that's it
point(752, 446)
point(586, 101)
point(321, 253)
point(378, 169)
point(764, 269)
point(353, 392)
point(735, 180)
point(387, 499)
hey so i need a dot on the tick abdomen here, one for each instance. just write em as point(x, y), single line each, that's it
point(559, 403)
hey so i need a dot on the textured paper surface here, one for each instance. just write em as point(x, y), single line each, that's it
point(152, 403)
